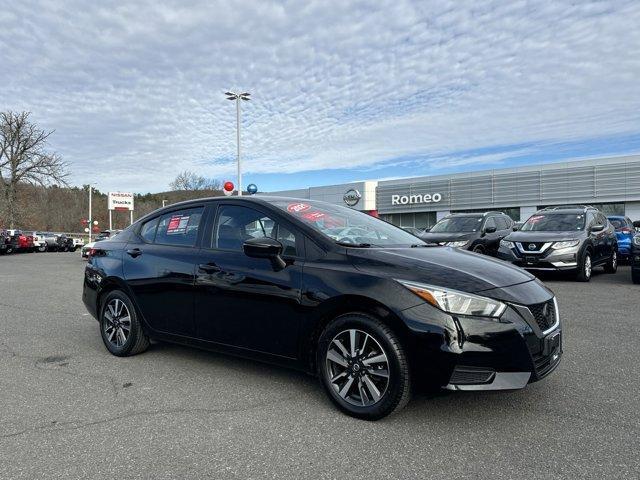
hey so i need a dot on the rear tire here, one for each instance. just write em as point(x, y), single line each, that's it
point(585, 268)
point(612, 264)
point(366, 373)
point(120, 326)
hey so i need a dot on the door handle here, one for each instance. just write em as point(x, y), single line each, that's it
point(209, 268)
point(134, 252)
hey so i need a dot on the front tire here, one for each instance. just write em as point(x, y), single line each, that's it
point(478, 249)
point(363, 367)
point(612, 265)
point(585, 268)
point(120, 327)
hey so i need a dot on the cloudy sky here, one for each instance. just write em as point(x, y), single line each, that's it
point(340, 90)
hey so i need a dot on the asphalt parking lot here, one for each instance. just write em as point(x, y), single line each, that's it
point(68, 409)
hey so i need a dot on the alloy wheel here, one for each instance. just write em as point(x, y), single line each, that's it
point(117, 324)
point(614, 260)
point(357, 367)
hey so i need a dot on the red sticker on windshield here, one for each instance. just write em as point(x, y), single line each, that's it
point(313, 216)
point(298, 207)
point(535, 219)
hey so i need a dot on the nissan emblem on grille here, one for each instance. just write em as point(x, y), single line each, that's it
point(531, 246)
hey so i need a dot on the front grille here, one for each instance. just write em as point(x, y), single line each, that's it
point(464, 375)
point(526, 246)
point(544, 314)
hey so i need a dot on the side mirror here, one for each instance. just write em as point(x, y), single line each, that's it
point(636, 224)
point(597, 228)
point(490, 230)
point(515, 228)
point(265, 247)
point(426, 230)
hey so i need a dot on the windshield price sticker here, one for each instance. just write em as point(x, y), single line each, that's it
point(178, 224)
point(314, 216)
point(298, 207)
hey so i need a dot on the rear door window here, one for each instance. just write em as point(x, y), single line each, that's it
point(179, 227)
point(148, 230)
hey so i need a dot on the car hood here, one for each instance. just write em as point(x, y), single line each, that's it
point(543, 236)
point(446, 236)
point(442, 266)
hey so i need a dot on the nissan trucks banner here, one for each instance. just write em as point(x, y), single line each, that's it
point(120, 201)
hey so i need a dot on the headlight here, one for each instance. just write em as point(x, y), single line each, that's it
point(567, 244)
point(457, 244)
point(506, 244)
point(457, 303)
point(636, 240)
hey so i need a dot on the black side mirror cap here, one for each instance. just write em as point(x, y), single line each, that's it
point(265, 247)
point(597, 228)
point(490, 230)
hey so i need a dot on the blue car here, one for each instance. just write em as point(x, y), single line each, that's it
point(624, 233)
point(635, 258)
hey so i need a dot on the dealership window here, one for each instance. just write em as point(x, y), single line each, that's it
point(418, 220)
point(513, 212)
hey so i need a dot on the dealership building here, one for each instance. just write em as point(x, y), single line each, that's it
point(611, 184)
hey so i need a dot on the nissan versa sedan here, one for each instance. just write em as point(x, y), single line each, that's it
point(370, 316)
point(570, 238)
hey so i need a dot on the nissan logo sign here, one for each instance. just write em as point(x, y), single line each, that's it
point(417, 198)
point(352, 197)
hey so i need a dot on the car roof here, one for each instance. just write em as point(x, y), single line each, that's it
point(475, 214)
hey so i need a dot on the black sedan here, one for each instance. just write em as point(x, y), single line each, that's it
point(260, 277)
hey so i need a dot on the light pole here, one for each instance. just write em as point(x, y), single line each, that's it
point(90, 214)
point(237, 97)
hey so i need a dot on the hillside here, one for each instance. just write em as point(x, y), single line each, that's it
point(62, 209)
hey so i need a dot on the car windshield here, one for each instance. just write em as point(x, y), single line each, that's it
point(554, 222)
point(347, 226)
point(457, 225)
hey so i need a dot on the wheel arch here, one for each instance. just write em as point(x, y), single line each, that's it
point(109, 284)
point(341, 305)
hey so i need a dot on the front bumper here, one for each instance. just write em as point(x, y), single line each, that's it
point(549, 259)
point(478, 354)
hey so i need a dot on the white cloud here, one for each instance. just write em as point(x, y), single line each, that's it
point(134, 91)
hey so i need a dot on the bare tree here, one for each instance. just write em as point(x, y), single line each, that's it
point(23, 159)
point(189, 180)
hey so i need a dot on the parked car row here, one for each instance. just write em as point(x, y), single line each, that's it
point(573, 238)
point(86, 249)
point(18, 241)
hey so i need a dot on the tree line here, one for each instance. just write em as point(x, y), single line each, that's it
point(35, 194)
